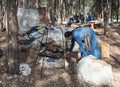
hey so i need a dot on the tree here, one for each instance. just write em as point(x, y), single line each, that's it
point(118, 4)
point(13, 54)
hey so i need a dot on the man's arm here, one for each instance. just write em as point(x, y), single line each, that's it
point(72, 45)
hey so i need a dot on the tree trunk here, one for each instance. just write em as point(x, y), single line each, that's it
point(106, 9)
point(79, 5)
point(25, 3)
point(1, 14)
point(37, 4)
point(111, 10)
point(118, 10)
point(14, 53)
point(52, 9)
point(54, 12)
point(104, 15)
point(61, 11)
point(83, 3)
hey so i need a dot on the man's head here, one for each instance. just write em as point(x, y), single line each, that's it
point(68, 35)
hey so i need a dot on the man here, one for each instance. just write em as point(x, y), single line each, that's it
point(87, 40)
point(88, 18)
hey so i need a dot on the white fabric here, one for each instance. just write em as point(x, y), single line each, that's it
point(25, 69)
point(27, 18)
point(57, 35)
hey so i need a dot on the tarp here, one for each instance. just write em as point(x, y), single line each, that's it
point(29, 17)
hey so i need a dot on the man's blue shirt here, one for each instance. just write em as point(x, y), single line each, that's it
point(78, 36)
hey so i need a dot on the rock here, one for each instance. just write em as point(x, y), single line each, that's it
point(116, 79)
point(94, 71)
point(115, 34)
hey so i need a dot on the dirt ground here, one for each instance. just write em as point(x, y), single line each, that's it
point(60, 77)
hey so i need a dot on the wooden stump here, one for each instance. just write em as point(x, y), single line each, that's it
point(104, 49)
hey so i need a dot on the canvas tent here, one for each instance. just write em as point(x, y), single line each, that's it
point(28, 17)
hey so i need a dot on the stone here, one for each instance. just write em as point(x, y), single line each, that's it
point(94, 71)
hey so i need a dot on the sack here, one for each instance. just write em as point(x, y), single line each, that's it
point(87, 42)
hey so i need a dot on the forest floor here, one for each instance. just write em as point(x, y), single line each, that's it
point(62, 77)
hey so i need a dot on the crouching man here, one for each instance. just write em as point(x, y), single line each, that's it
point(88, 45)
point(86, 39)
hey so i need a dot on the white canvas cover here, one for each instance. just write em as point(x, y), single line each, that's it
point(28, 17)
